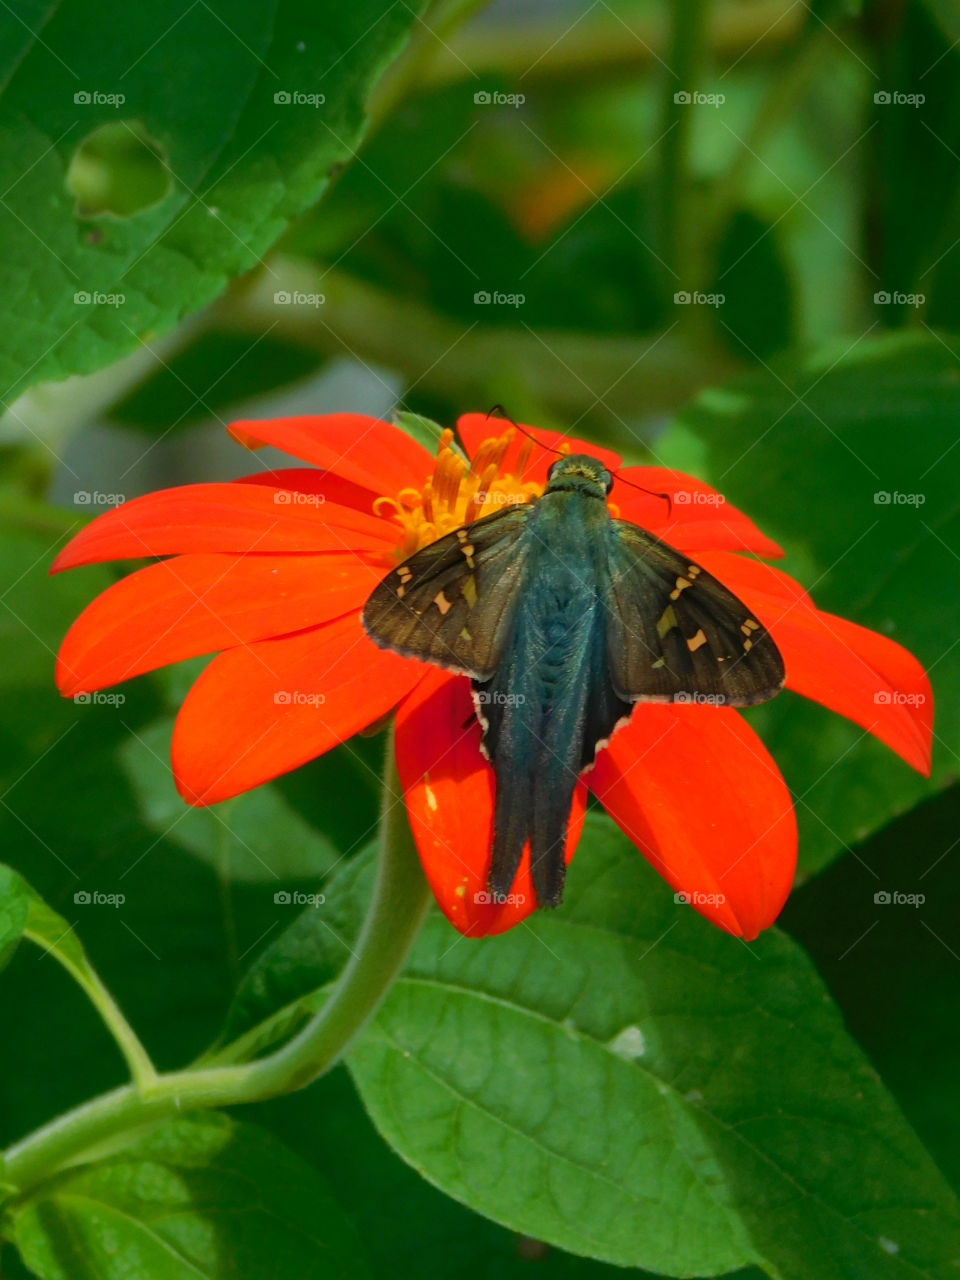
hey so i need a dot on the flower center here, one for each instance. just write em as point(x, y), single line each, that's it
point(458, 492)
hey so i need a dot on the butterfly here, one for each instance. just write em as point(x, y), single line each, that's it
point(564, 618)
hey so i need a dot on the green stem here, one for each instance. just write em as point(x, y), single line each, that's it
point(400, 900)
point(138, 1060)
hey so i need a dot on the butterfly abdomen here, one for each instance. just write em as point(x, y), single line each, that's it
point(536, 704)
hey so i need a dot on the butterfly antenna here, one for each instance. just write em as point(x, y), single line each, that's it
point(652, 492)
point(501, 412)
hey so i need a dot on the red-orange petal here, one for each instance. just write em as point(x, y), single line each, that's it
point(323, 485)
point(859, 673)
point(475, 427)
point(697, 517)
point(366, 451)
point(258, 711)
point(449, 790)
point(194, 604)
point(223, 518)
point(701, 797)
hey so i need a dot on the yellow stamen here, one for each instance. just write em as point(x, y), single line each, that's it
point(456, 493)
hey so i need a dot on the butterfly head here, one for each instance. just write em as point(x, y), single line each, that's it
point(581, 473)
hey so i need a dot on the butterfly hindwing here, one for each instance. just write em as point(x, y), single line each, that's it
point(675, 633)
point(452, 603)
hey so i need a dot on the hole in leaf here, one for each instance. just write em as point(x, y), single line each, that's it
point(118, 169)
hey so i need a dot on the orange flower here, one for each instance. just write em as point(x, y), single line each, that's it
point(272, 571)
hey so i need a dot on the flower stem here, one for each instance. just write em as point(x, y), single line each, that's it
point(400, 900)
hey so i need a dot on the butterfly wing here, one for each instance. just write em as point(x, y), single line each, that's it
point(452, 602)
point(677, 634)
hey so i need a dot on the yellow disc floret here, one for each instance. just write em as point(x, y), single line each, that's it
point(458, 492)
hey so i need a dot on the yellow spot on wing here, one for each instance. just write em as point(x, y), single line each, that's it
point(694, 643)
point(668, 620)
point(442, 603)
point(469, 590)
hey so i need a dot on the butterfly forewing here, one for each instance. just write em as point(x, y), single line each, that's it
point(676, 634)
point(453, 602)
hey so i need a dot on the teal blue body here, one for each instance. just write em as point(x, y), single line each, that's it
point(549, 701)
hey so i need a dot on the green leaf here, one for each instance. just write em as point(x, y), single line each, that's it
point(883, 930)
point(14, 909)
point(424, 430)
point(411, 1229)
point(213, 92)
point(805, 448)
point(200, 1197)
point(623, 1080)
